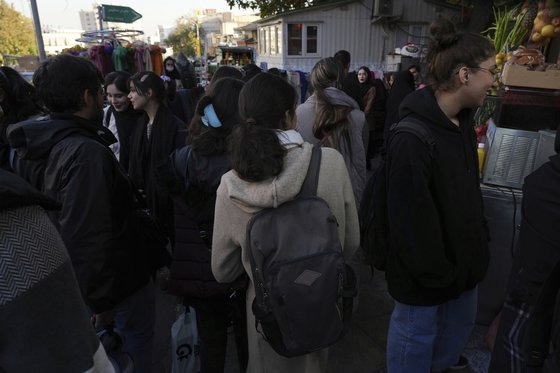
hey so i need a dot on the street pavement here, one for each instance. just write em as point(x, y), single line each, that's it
point(362, 350)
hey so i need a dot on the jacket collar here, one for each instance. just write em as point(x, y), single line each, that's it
point(98, 131)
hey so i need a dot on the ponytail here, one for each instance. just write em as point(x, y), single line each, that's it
point(256, 153)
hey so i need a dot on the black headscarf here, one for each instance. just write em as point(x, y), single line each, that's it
point(175, 74)
point(403, 85)
point(365, 86)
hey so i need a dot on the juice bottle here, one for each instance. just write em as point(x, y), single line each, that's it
point(481, 155)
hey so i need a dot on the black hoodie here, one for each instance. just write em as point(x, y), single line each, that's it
point(438, 239)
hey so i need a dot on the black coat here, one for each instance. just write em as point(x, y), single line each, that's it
point(194, 180)
point(438, 238)
point(403, 86)
point(68, 159)
point(146, 155)
point(535, 280)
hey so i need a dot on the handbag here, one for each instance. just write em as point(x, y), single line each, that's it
point(185, 347)
point(147, 233)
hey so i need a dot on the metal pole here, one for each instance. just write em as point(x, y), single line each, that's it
point(38, 33)
point(100, 14)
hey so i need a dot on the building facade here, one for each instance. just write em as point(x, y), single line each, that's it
point(370, 30)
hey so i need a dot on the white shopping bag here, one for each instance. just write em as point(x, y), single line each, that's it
point(184, 343)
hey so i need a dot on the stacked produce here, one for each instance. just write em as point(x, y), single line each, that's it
point(546, 21)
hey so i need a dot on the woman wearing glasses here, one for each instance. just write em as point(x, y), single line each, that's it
point(439, 250)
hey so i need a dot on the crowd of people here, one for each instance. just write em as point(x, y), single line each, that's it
point(204, 161)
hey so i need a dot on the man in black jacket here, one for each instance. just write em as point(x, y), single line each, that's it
point(528, 322)
point(66, 156)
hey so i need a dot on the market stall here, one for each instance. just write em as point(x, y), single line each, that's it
point(517, 129)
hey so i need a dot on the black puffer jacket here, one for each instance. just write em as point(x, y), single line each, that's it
point(439, 245)
point(68, 159)
point(196, 179)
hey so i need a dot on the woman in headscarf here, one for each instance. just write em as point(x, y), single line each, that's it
point(403, 85)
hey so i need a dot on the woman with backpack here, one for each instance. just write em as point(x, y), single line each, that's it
point(270, 161)
point(333, 119)
point(194, 174)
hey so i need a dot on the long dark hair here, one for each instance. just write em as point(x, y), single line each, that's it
point(263, 103)
point(330, 125)
point(119, 79)
point(450, 50)
point(224, 97)
point(146, 80)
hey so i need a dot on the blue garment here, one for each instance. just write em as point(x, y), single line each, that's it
point(427, 339)
point(135, 319)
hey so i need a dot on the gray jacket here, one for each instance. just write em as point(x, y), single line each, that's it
point(355, 158)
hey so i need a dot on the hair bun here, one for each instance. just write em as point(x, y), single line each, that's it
point(444, 33)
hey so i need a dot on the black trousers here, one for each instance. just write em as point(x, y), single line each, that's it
point(213, 317)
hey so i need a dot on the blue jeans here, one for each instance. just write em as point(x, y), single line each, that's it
point(135, 319)
point(427, 339)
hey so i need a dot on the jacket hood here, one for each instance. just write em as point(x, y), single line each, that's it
point(34, 139)
point(337, 97)
point(254, 196)
point(423, 103)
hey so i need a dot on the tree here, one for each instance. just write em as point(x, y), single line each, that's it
point(183, 38)
point(16, 32)
point(271, 7)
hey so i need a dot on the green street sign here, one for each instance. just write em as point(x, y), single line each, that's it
point(124, 14)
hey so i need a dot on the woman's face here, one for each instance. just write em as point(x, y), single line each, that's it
point(169, 65)
point(479, 80)
point(138, 101)
point(117, 98)
point(362, 76)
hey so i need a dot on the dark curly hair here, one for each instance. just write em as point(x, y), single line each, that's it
point(19, 101)
point(263, 103)
point(61, 81)
point(224, 97)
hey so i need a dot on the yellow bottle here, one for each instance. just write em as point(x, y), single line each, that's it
point(481, 155)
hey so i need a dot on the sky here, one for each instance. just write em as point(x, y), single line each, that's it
point(65, 13)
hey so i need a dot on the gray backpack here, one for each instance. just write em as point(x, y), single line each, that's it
point(303, 288)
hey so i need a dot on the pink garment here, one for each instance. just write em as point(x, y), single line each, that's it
point(139, 58)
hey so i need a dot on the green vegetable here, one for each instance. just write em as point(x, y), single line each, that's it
point(507, 31)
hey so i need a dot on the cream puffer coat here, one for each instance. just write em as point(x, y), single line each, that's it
point(238, 200)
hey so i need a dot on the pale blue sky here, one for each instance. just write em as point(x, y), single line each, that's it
point(64, 13)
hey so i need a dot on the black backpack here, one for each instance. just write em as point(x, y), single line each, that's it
point(373, 214)
point(303, 288)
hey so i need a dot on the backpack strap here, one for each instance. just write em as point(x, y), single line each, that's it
point(309, 187)
point(416, 127)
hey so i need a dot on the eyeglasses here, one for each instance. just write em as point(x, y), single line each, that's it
point(493, 71)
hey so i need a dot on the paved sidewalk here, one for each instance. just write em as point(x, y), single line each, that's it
point(362, 350)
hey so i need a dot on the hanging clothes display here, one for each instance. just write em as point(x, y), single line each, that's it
point(157, 58)
point(120, 58)
point(113, 52)
point(101, 57)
